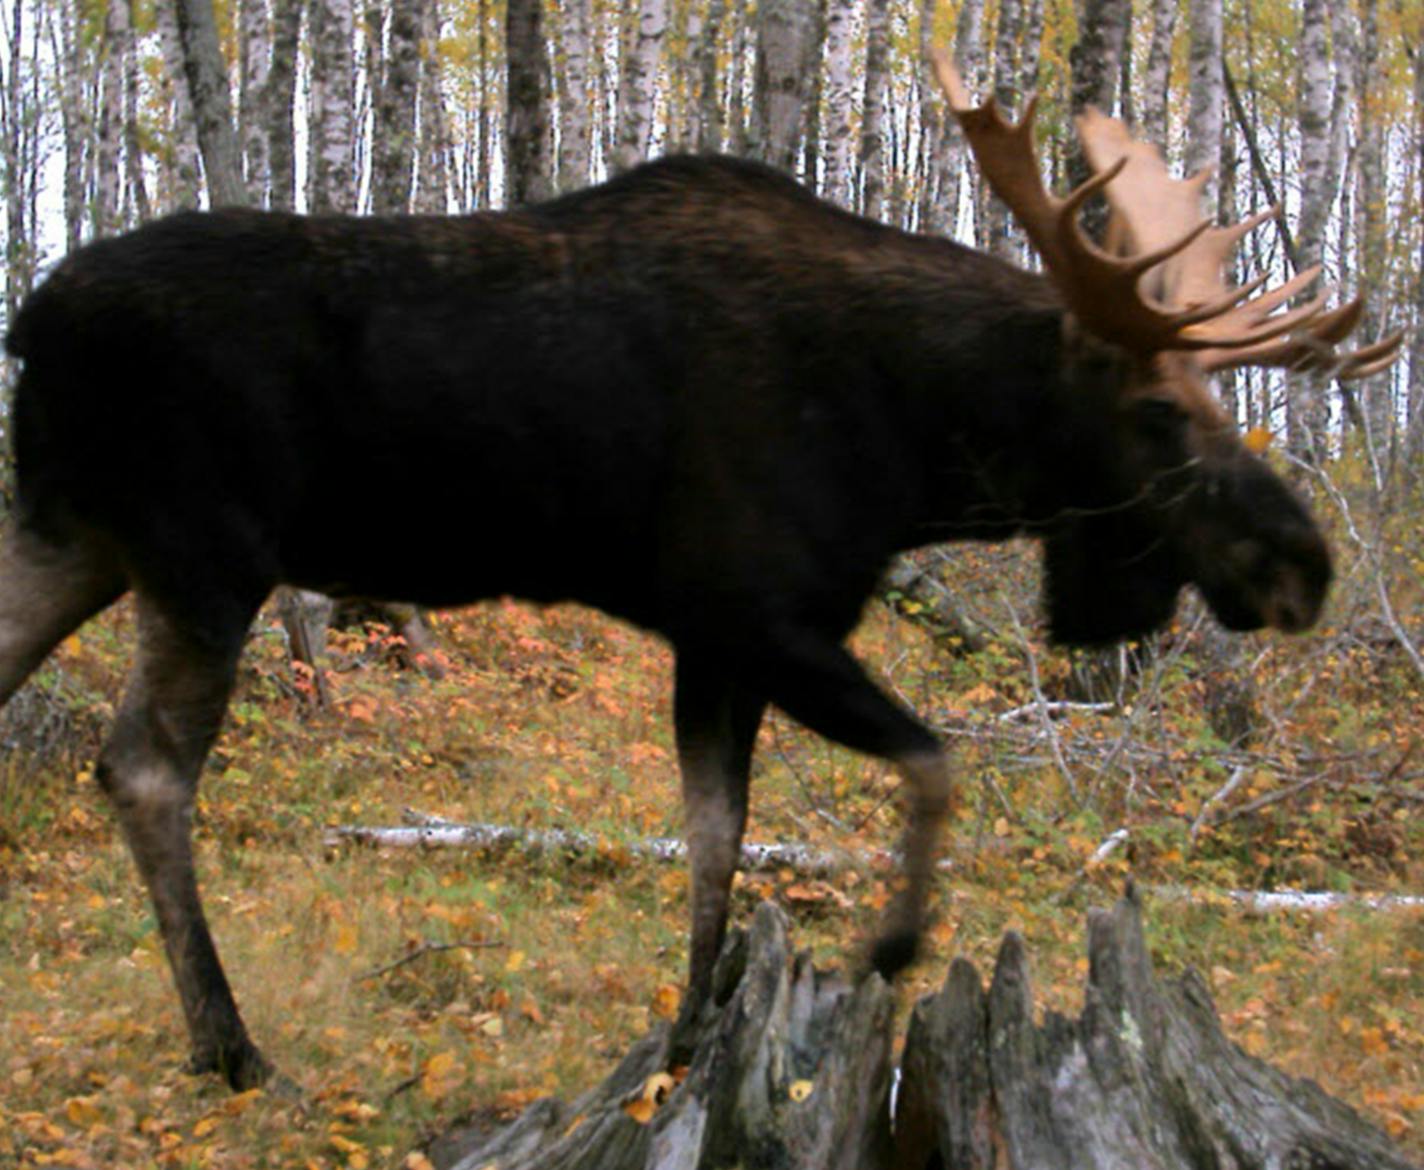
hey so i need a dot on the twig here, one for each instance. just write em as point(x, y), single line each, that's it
point(1231, 785)
point(429, 948)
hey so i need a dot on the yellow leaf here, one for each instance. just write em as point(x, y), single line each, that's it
point(654, 1092)
point(345, 939)
point(800, 1090)
point(205, 1126)
point(515, 962)
point(441, 1074)
point(667, 1000)
point(81, 1110)
point(1001, 827)
point(1257, 439)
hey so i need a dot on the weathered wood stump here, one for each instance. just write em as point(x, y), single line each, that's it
point(793, 1071)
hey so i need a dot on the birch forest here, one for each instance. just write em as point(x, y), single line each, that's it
point(114, 112)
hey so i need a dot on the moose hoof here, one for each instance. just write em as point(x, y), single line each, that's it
point(895, 951)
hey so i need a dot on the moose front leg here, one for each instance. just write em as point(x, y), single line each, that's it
point(716, 721)
point(149, 767)
point(817, 682)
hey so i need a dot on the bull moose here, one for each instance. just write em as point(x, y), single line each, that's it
point(695, 396)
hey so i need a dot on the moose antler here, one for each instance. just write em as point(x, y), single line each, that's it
point(1158, 238)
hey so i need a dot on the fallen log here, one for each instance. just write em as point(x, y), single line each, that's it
point(792, 1070)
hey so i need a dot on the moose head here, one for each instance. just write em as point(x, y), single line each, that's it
point(1167, 493)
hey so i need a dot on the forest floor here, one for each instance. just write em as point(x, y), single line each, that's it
point(529, 974)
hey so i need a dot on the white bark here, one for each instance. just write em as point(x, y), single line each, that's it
point(255, 27)
point(331, 179)
point(1157, 76)
point(394, 123)
point(838, 155)
point(1305, 418)
point(528, 173)
point(278, 100)
point(575, 124)
point(432, 195)
point(1205, 92)
point(108, 192)
point(638, 86)
point(777, 124)
point(872, 128)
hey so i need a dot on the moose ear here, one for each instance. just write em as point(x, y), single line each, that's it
point(1105, 579)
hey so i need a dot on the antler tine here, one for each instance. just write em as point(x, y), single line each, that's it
point(1155, 229)
point(1099, 288)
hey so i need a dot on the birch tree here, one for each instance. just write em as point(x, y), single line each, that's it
point(393, 128)
point(528, 173)
point(638, 86)
point(108, 187)
point(254, 67)
point(1096, 61)
point(575, 125)
point(1370, 204)
point(1157, 76)
point(1305, 417)
point(433, 180)
point(996, 229)
point(1205, 97)
point(212, 103)
point(20, 127)
point(279, 100)
point(872, 127)
point(331, 177)
point(781, 85)
point(838, 78)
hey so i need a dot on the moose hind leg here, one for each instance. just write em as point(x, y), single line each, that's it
point(149, 767)
point(46, 592)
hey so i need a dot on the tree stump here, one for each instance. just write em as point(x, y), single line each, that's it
point(793, 1071)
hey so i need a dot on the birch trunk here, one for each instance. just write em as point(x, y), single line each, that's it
point(528, 173)
point(838, 181)
point(432, 195)
point(997, 226)
point(872, 128)
point(278, 100)
point(206, 72)
point(946, 163)
point(21, 119)
point(774, 133)
point(1157, 77)
point(1414, 440)
point(739, 130)
point(575, 125)
point(136, 205)
point(1205, 91)
point(256, 32)
point(394, 127)
point(1371, 198)
point(108, 186)
point(68, 52)
point(1305, 407)
point(709, 120)
point(638, 86)
point(1096, 62)
point(331, 178)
